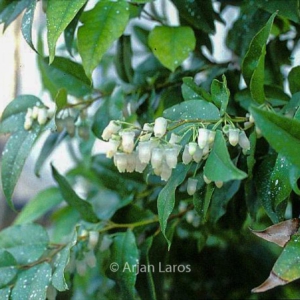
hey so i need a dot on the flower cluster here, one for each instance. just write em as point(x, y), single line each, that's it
point(39, 113)
point(133, 149)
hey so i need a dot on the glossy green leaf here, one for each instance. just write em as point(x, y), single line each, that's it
point(220, 94)
point(59, 16)
point(83, 207)
point(8, 270)
point(123, 59)
point(13, 116)
point(191, 91)
point(199, 14)
point(219, 166)
point(60, 262)
point(202, 200)
point(26, 242)
point(172, 45)
point(166, 198)
point(125, 255)
point(65, 73)
point(27, 21)
point(276, 129)
point(42, 203)
point(102, 25)
point(286, 268)
point(61, 99)
point(5, 293)
point(193, 109)
point(32, 283)
point(253, 63)
point(14, 155)
point(293, 78)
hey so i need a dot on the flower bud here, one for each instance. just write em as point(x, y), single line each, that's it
point(244, 141)
point(35, 112)
point(144, 151)
point(202, 137)
point(233, 136)
point(258, 132)
point(171, 157)
point(211, 136)
point(29, 113)
point(121, 161)
point(219, 184)
point(174, 139)
point(186, 157)
point(166, 172)
point(112, 147)
point(93, 239)
point(42, 116)
point(192, 186)
point(198, 154)
point(251, 119)
point(192, 148)
point(206, 180)
point(110, 129)
point(127, 141)
point(28, 123)
point(157, 157)
point(148, 127)
point(160, 127)
point(190, 215)
point(51, 111)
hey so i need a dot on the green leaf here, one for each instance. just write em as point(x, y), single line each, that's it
point(32, 283)
point(294, 175)
point(123, 59)
point(286, 268)
point(14, 114)
point(43, 202)
point(293, 79)
point(202, 199)
point(275, 129)
point(166, 198)
point(65, 73)
point(8, 270)
point(191, 91)
point(26, 242)
point(59, 16)
point(5, 293)
point(27, 21)
point(101, 27)
point(220, 94)
point(83, 207)
point(14, 155)
point(253, 63)
point(193, 109)
point(125, 254)
point(60, 262)
point(111, 109)
point(61, 99)
point(172, 45)
point(219, 166)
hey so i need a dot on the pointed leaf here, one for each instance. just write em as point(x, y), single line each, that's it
point(101, 27)
point(32, 283)
point(253, 63)
point(26, 242)
point(276, 128)
point(83, 207)
point(191, 91)
point(27, 21)
point(43, 202)
point(220, 94)
point(125, 254)
point(59, 16)
point(219, 166)
point(172, 45)
point(279, 233)
point(166, 198)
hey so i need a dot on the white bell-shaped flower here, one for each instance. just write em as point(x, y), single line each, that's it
point(112, 128)
point(157, 157)
point(148, 127)
point(211, 136)
point(51, 110)
point(186, 157)
point(192, 148)
point(120, 160)
point(35, 112)
point(166, 172)
point(131, 162)
point(171, 157)
point(42, 116)
point(160, 127)
point(244, 141)
point(28, 123)
point(191, 186)
point(198, 154)
point(203, 134)
point(144, 151)
point(174, 139)
point(112, 147)
point(205, 150)
point(127, 141)
point(233, 136)
point(139, 166)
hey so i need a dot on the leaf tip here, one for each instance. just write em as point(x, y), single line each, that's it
point(272, 281)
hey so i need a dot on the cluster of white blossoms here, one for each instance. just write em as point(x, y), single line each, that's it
point(40, 113)
point(133, 149)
